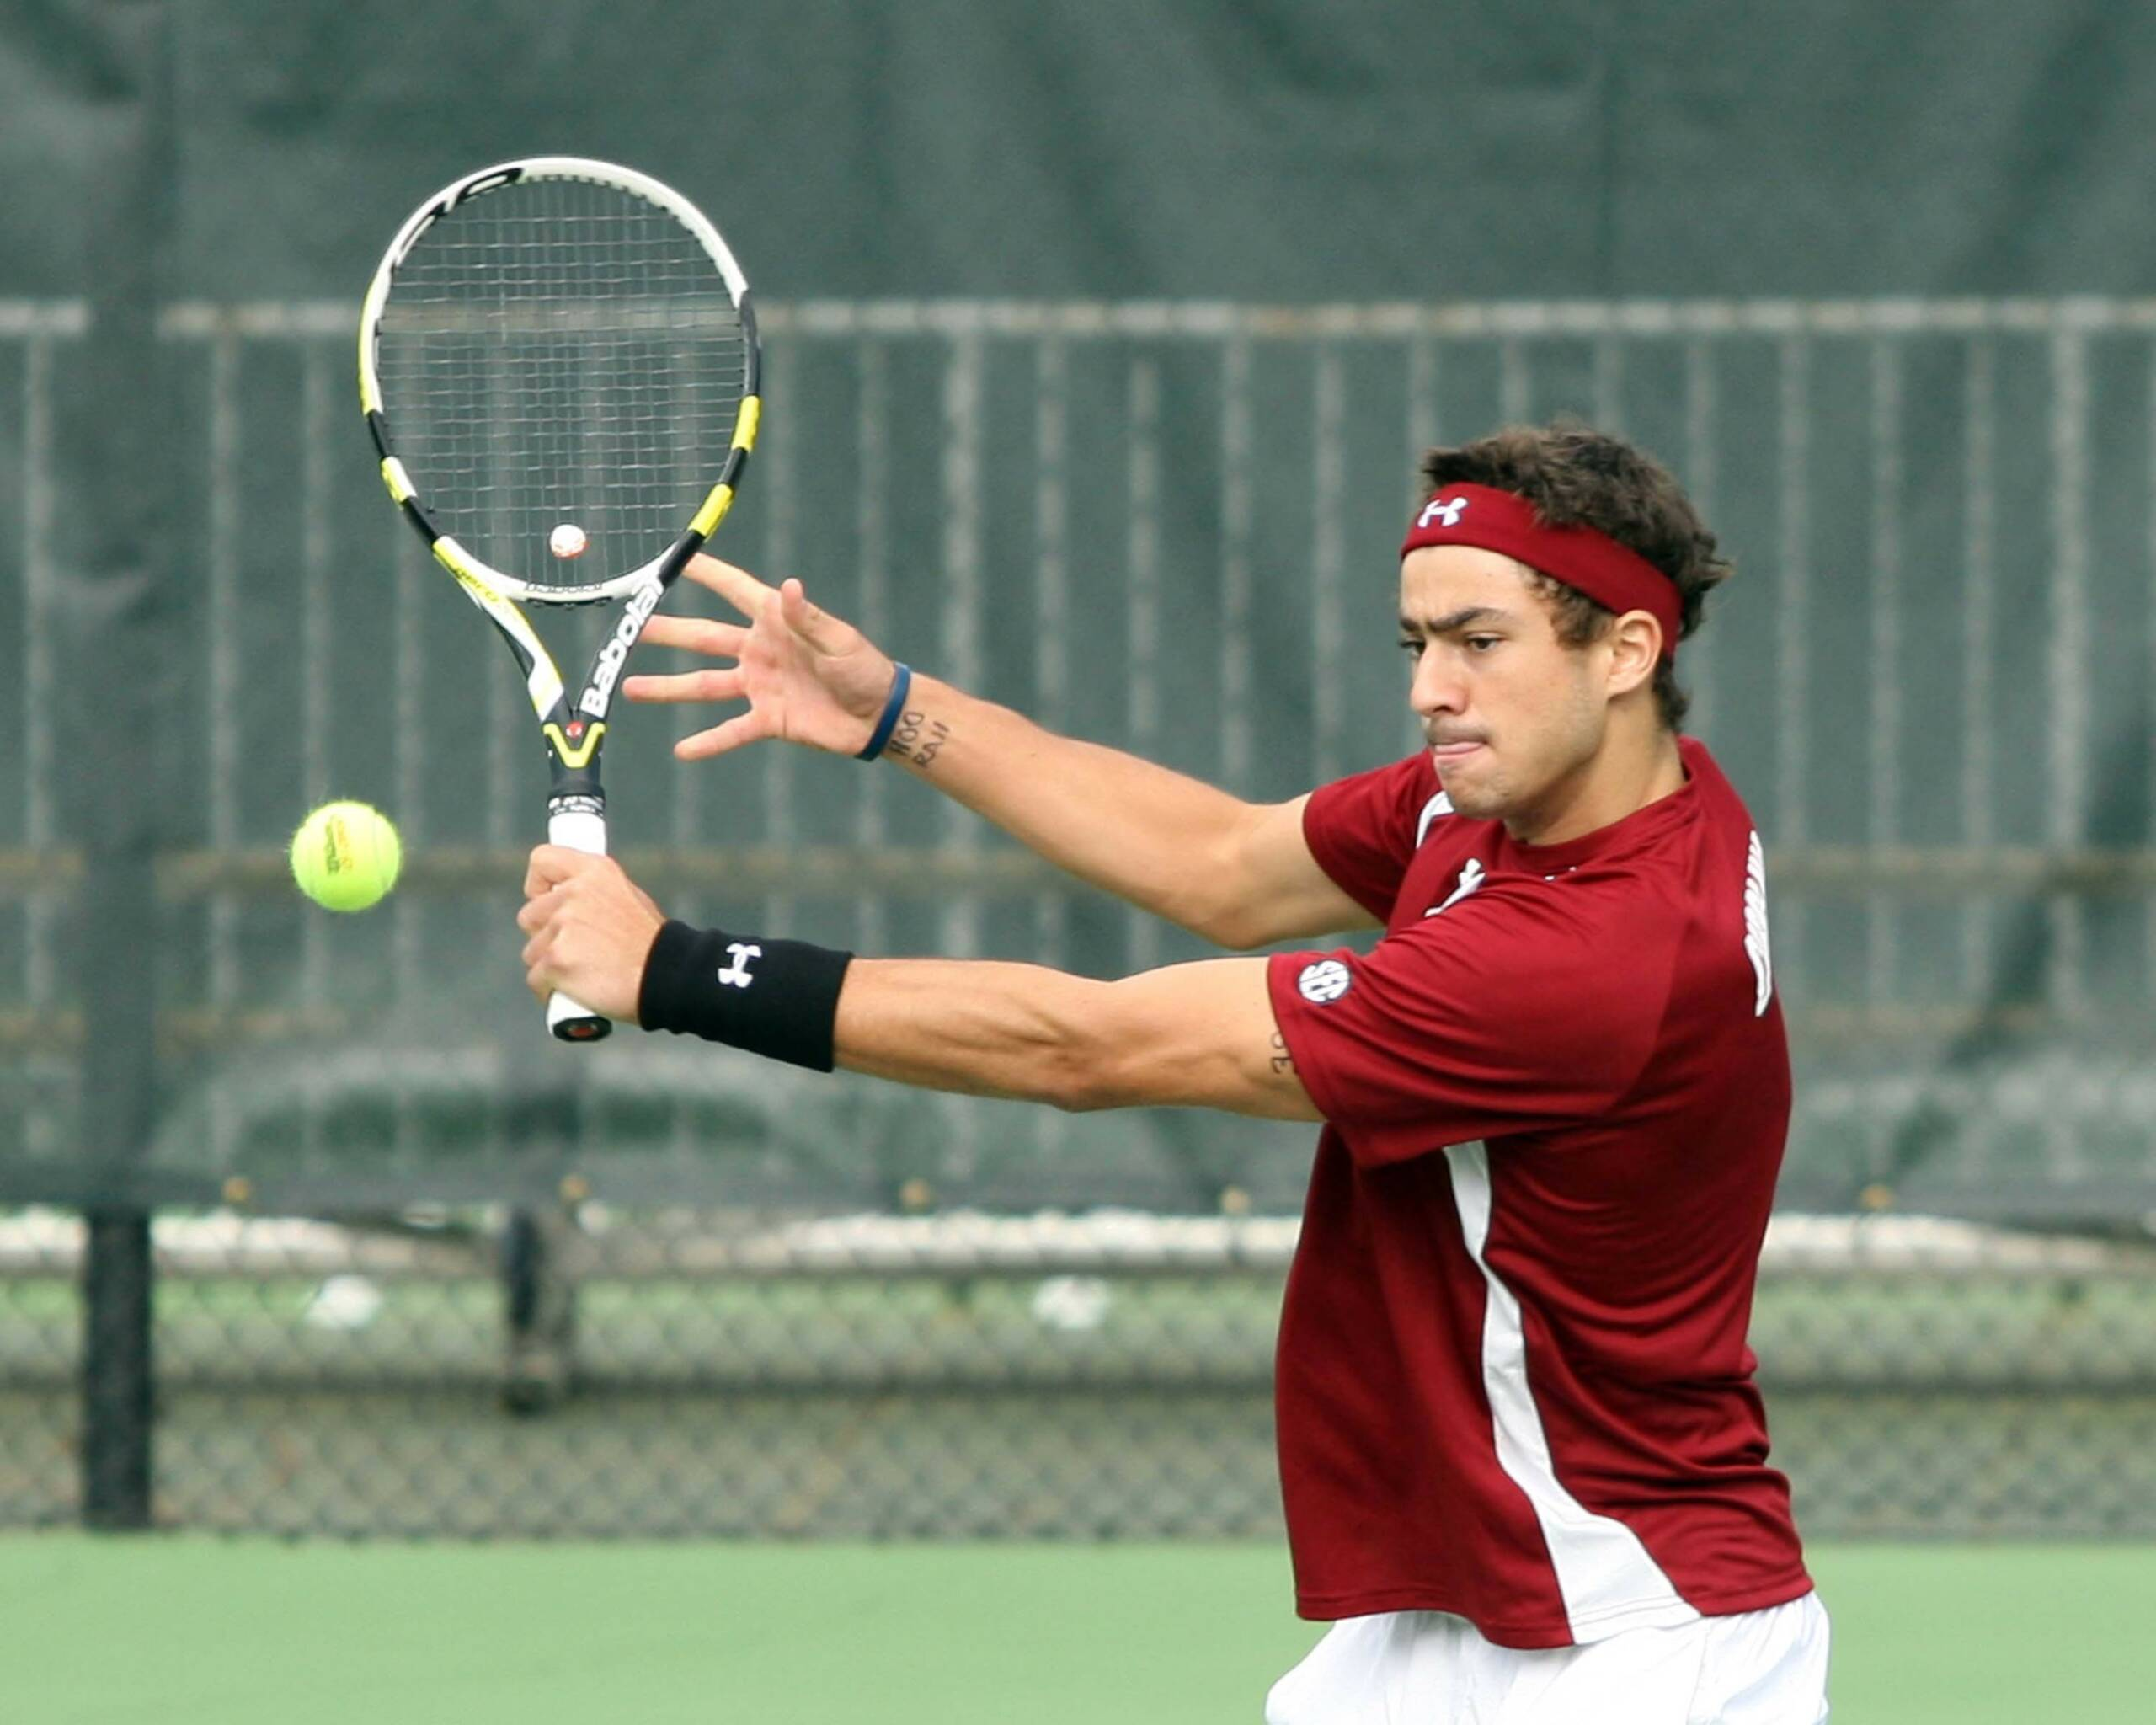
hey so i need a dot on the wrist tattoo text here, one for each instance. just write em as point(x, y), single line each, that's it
point(918, 738)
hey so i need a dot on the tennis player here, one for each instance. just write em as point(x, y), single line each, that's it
point(1523, 1460)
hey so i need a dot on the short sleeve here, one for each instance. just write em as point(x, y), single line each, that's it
point(1525, 1007)
point(1363, 830)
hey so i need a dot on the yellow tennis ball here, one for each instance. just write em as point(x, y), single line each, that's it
point(346, 856)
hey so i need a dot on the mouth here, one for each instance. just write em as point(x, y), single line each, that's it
point(1447, 754)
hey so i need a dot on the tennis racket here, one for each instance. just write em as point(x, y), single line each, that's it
point(559, 364)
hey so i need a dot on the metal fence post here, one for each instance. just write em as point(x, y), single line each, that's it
point(116, 440)
point(118, 1388)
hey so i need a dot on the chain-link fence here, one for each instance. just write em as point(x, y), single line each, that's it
point(697, 1373)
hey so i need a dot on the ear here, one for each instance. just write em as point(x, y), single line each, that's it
point(1634, 646)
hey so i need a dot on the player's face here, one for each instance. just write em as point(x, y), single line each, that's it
point(1515, 718)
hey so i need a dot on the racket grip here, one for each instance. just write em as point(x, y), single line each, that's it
point(567, 1017)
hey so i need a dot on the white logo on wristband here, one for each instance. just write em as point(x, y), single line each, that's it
point(736, 974)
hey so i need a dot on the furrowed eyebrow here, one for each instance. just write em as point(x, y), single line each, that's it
point(1454, 621)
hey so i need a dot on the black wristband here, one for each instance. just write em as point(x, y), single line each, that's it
point(778, 998)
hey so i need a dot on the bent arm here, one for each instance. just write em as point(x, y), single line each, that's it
point(1198, 1035)
point(1238, 873)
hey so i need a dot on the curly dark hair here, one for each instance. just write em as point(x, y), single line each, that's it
point(1577, 477)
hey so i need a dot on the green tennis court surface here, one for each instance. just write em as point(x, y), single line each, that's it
point(196, 1631)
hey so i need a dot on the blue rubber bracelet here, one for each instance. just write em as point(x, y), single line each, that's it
point(892, 708)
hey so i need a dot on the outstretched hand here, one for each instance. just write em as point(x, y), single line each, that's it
point(808, 677)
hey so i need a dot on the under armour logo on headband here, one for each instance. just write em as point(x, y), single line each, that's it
point(1614, 575)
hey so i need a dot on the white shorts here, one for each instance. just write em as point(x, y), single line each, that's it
point(1430, 1668)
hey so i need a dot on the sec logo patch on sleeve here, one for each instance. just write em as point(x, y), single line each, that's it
point(1324, 982)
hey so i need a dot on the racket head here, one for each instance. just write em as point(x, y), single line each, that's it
point(555, 341)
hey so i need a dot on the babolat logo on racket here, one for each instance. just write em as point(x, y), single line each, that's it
point(505, 175)
point(606, 669)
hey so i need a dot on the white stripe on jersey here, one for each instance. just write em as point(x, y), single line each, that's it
point(1438, 804)
point(1607, 1579)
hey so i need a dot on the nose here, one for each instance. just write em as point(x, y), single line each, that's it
point(1437, 687)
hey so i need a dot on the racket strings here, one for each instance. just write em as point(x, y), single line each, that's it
point(553, 352)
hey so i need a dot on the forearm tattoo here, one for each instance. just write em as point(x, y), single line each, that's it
point(918, 738)
point(1283, 1061)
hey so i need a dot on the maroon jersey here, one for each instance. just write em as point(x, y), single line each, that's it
point(1513, 1378)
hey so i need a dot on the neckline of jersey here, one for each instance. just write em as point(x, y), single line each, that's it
point(1646, 822)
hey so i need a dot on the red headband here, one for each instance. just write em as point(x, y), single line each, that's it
point(1579, 557)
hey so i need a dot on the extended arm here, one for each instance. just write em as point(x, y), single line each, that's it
point(1196, 1035)
point(1240, 874)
